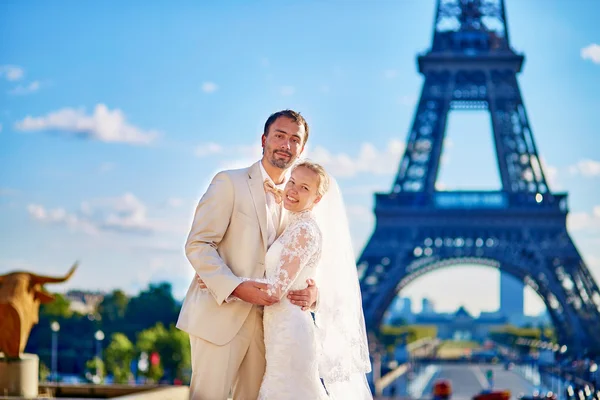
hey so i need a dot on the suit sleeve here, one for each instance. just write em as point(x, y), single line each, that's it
point(211, 220)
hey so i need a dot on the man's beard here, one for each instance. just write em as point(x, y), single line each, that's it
point(279, 163)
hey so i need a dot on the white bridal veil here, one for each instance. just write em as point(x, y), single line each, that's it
point(341, 333)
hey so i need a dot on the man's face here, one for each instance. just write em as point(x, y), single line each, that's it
point(284, 142)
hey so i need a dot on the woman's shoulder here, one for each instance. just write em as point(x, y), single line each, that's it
point(307, 224)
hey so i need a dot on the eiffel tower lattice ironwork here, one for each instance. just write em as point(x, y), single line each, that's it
point(519, 229)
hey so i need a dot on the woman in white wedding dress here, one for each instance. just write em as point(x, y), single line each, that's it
point(290, 341)
point(301, 351)
point(325, 358)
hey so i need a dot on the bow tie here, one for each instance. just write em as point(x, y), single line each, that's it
point(277, 193)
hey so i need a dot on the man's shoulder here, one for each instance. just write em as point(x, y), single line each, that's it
point(237, 173)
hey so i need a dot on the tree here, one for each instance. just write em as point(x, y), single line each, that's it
point(174, 350)
point(44, 372)
point(113, 307)
point(60, 307)
point(118, 356)
point(95, 370)
point(151, 306)
point(146, 343)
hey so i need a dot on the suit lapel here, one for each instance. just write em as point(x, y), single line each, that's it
point(282, 221)
point(255, 182)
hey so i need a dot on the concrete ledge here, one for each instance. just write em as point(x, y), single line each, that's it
point(90, 391)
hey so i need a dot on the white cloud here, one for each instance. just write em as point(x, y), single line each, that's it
point(59, 216)
point(287, 90)
point(22, 90)
point(592, 53)
point(359, 213)
point(11, 72)
point(592, 261)
point(578, 221)
point(390, 73)
point(206, 149)
point(243, 156)
point(104, 125)
point(369, 160)
point(106, 167)
point(586, 168)
point(441, 186)
point(209, 87)
point(124, 213)
point(174, 202)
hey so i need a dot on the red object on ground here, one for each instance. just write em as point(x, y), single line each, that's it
point(442, 388)
point(154, 358)
point(495, 395)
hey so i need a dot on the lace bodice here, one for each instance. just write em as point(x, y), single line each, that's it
point(292, 371)
point(296, 252)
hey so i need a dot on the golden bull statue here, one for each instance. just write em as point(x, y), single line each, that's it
point(21, 294)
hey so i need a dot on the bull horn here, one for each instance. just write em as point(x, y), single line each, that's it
point(41, 279)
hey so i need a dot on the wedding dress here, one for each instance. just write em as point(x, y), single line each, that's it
point(305, 355)
point(292, 368)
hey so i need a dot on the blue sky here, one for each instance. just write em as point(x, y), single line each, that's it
point(114, 116)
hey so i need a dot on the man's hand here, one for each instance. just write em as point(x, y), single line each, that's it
point(250, 292)
point(304, 298)
point(255, 293)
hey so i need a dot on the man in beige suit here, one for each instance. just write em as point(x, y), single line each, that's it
point(236, 221)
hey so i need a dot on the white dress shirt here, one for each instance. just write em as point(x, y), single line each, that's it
point(274, 210)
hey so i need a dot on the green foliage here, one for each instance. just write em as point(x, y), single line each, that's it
point(57, 308)
point(151, 310)
point(413, 332)
point(118, 356)
point(95, 367)
point(151, 306)
point(113, 307)
point(391, 336)
point(172, 345)
point(44, 372)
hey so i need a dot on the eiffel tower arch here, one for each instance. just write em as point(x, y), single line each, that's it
point(519, 229)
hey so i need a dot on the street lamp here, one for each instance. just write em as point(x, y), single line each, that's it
point(55, 327)
point(99, 335)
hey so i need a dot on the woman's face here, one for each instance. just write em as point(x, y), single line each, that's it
point(300, 192)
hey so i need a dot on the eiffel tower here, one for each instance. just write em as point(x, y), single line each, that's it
point(519, 229)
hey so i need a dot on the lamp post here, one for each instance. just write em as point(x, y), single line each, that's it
point(55, 327)
point(99, 335)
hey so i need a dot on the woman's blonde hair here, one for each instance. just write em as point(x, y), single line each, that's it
point(320, 171)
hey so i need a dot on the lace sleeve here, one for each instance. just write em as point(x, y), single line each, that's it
point(299, 245)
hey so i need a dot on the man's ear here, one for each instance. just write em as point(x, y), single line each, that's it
point(263, 140)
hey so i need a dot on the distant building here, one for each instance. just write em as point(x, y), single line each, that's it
point(512, 298)
point(427, 306)
point(84, 302)
point(461, 325)
point(400, 309)
point(406, 306)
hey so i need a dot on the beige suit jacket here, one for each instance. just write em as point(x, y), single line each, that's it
point(228, 240)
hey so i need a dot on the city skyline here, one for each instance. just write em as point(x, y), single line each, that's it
point(111, 130)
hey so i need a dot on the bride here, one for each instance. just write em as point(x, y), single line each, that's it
point(325, 358)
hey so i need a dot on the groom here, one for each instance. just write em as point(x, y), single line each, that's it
point(237, 219)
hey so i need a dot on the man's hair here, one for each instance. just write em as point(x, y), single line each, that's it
point(291, 114)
